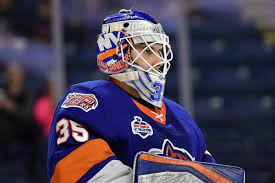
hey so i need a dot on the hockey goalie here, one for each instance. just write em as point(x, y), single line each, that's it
point(100, 127)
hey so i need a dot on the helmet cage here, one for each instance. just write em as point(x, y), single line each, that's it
point(165, 55)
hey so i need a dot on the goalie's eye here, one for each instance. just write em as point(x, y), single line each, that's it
point(148, 51)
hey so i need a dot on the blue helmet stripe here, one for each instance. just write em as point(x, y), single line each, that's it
point(138, 89)
point(141, 81)
point(129, 15)
point(148, 77)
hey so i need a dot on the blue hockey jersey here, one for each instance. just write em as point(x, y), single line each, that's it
point(97, 122)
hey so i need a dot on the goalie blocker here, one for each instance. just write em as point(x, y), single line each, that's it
point(150, 168)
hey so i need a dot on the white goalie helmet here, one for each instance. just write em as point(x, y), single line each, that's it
point(121, 33)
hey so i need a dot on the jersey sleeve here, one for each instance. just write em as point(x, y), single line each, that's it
point(203, 154)
point(76, 151)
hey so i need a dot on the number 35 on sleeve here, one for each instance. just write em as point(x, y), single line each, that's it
point(78, 132)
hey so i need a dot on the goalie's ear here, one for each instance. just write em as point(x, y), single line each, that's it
point(154, 168)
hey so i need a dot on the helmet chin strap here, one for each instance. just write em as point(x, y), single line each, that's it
point(126, 76)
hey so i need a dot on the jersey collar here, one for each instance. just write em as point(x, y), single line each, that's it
point(158, 115)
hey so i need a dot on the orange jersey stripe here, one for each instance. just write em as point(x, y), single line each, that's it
point(210, 174)
point(77, 163)
point(153, 113)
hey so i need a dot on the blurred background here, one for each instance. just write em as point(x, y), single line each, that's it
point(223, 72)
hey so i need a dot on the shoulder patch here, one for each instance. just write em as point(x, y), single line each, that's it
point(141, 128)
point(83, 101)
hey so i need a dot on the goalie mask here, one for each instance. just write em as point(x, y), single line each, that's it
point(135, 33)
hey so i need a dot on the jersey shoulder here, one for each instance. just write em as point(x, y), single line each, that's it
point(84, 102)
point(89, 86)
point(183, 115)
point(178, 110)
point(101, 88)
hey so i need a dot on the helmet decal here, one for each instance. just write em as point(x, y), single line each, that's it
point(158, 87)
point(110, 49)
